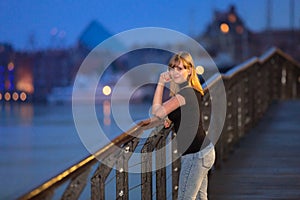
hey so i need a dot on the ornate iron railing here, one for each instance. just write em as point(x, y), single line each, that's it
point(250, 88)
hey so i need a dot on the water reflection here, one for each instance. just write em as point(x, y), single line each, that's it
point(22, 112)
point(26, 113)
point(106, 113)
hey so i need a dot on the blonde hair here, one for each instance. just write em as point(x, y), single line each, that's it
point(188, 63)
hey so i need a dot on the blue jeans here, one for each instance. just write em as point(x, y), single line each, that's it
point(193, 178)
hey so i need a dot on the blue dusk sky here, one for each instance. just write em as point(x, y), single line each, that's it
point(23, 21)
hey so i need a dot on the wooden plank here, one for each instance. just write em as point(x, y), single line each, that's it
point(122, 179)
point(98, 182)
point(146, 175)
point(76, 186)
point(266, 164)
point(176, 167)
point(122, 188)
point(160, 162)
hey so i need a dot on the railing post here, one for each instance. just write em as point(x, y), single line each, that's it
point(122, 178)
point(151, 143)
point(76, 186)
point(160, 161)
point(233, 131)
point(176, 167)
point(227, 135)
point(122, 188)
point(276, 72)
point(146, 159)
point(291, 80)
point(240, 108)
point(98, 182)
point(206, 110)
point(297, 72)
point(146, 173)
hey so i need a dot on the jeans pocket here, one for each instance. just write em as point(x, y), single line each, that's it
point(208, 160)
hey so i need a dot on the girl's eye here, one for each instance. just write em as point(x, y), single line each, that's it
point(176, 67)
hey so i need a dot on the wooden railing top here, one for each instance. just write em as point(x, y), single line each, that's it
point(239, 68)
point(267, 55)
point(262, 59)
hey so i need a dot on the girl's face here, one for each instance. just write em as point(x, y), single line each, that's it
point(179, 74)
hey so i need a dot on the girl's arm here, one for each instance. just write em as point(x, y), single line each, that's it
point(159, 109)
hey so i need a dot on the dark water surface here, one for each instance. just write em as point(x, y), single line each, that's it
point(39, 141)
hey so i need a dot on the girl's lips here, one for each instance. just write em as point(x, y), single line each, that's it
point(176, 76)
point(177, 79)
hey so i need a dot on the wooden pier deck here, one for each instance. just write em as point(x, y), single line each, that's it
point(266, 164)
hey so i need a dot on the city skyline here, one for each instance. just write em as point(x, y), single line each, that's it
point(43, 24)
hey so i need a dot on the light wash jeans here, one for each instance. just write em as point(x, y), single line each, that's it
point(193, 178)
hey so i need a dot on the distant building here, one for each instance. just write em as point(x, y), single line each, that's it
point(24, 78)
point(16, 79)
point(230, 42)
point(94, 34)
point(288, 40)
point(53, 68)
point(226, 37)
point(6, 68)
point(35, 74)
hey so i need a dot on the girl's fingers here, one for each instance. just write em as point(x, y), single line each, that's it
point(166, 76)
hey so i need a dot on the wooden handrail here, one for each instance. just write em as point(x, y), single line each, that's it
point(84, 164)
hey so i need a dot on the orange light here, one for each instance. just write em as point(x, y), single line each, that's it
point(106, 108)
point(0, 96)
point(23, 96)
point(224, 28)
point(106, 113)
point(106, 121)
point(7, 96)
point(25, 86)
point(239, 29)
point(24, 82)
point(10, 66)
point(232, 18)
point(15, 96)
point(7, 84)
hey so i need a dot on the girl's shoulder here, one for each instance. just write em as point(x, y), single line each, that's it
point(190, 91)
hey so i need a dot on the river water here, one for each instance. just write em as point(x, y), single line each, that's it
point(39, 141)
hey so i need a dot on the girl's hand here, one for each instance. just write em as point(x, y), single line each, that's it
point(167, 122)
point(164, 77)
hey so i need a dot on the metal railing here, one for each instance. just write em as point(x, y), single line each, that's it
point(250, 88)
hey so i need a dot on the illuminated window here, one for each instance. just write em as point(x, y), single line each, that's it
point(232, 18)
point(10, 66)
point(224, 28)
point(2, 78)
point(239, 29)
